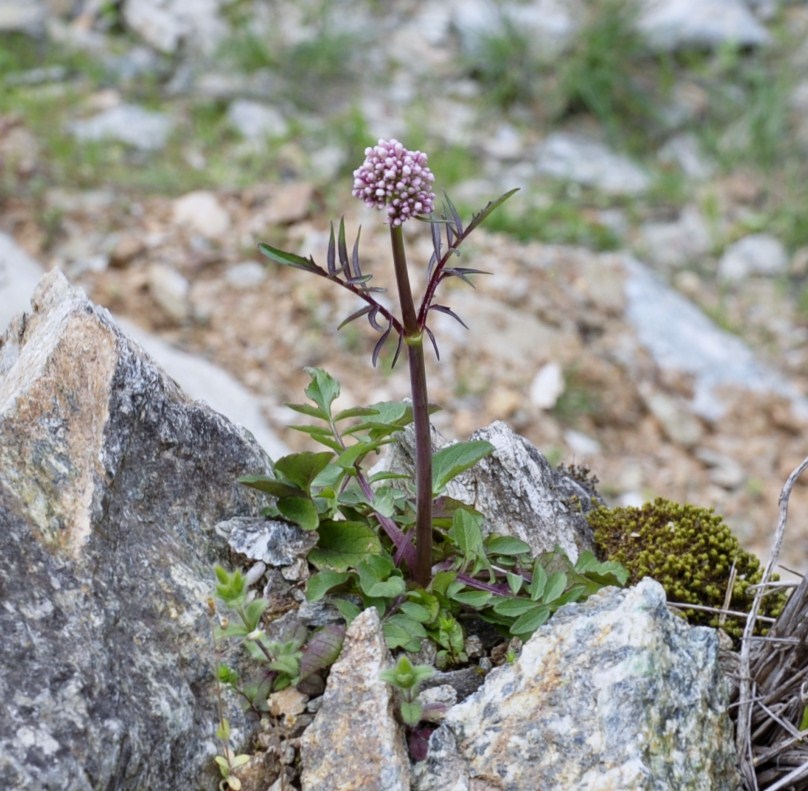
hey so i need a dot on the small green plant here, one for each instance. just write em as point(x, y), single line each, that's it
point(691, 552)
point(407, 679)
point(228, 761)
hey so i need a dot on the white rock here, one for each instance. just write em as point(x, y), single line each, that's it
point(581, 444)
point(549, 25)
point(614, 693)
point(22, 15)
point(579, 159)
point(256, 121)
point(169, 289)
point(126, 123)
point(757, 254)
point(247, 274)
point(675, 244)
point(165, 24)
point(202, 212)
point(19, 274)
point(685, 151)
point(681, 338)
point(669, 25)
point(547, 386)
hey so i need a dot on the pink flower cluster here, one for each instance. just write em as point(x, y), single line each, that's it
point(394, 177)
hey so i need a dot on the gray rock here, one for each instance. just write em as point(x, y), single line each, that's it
point(202, 212)
point(25, 16)
point(271, 541)
point(675, 244)
point(669, 25)
point(518, 491)
point(19, 274)
point(135, 126)
point(549, 25)
point(614, 693)
point(247, 274)
point(681, 338)
point(756, 254)
point(572, 157)
point(685, 151)
point(256, 121)
point(170, 290)
point(165, 24)
point(111, 482)
point(673, 416)
point(355, 741)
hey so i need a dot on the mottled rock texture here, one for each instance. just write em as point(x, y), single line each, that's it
point(615, 693)
point(518, 490)
point(355, 742)
point(111, 482)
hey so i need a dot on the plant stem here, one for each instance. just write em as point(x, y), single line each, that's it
point(413, 337)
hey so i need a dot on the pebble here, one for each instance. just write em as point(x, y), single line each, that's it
point(130, 124)
point(757, 254)
point(669, 25)
point(256, 121)
point(675, 244)
point(170, 291)
point(247, 274)
point(573, 157)
point(547, 386)
point(202, 212)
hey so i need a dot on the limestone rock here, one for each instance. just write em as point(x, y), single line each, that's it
point(111, 482)
point(518, 490)
point(135, 126)
point(355, 742)
point(613, 693)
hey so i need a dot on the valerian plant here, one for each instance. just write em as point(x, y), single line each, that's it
point(388, 540)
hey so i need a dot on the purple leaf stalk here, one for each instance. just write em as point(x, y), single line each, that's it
point(396, 180)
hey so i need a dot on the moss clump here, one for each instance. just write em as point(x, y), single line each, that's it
point(689, 551)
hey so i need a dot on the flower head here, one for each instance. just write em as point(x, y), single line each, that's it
point(395, 177)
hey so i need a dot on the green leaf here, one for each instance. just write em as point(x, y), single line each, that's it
point(344, 545)
point(308, 409)
point(301, 511)
point(411, 712)
point(350, 456)
point(513, 608)
point(323, 389)
point(288, 259)
point(253, 612)
point(301, 469)
point(467, 536)
point(487, 209)
point(322, 435)
point(608, 572)
point(526, 624)
point(403, 632)
point(538, 583)
point(473, 598)
point(555, 586)
point(514, 582)
point(348, 610)
point(416, 611)
point(322, 649)
point(323, 581)
point(270, 485)
point(357, 411)
point(506, 545)
point(375, 578)
point(449, 462)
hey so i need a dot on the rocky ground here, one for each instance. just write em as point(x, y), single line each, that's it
point(146, 149)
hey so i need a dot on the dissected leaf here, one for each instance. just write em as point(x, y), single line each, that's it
point(323, 389)
point(488, 209)
point(301, 469)
point(289, 259)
